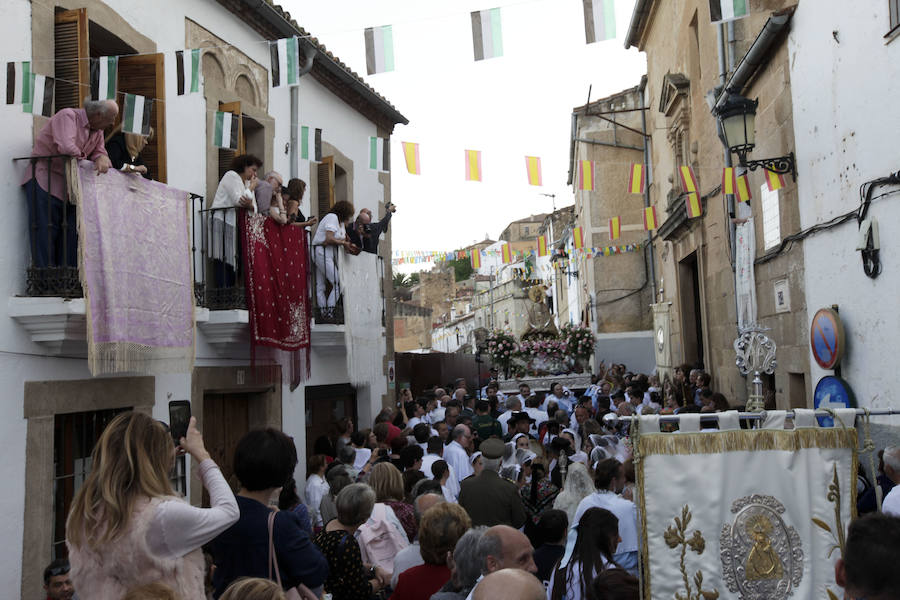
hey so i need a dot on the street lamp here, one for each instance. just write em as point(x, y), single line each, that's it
point(738, 119)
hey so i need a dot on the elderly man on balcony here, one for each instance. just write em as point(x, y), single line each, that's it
point(75, 132)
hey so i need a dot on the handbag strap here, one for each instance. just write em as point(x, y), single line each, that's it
point(273, 560)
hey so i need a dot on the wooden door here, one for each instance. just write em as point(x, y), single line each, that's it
point(325, 406)
point(144, 75)
point(226, 418)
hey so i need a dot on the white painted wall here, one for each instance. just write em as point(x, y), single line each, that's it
point(845, 119)
point(22, 360)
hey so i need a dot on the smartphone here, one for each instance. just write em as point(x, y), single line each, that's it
point(179, 418)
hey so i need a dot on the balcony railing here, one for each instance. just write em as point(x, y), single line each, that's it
point(219, 268)
point(52, 232)
point(325, 285)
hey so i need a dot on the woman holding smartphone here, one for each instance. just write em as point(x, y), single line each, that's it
point(127, 526)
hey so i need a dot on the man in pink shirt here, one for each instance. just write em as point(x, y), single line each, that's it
point(76, 132)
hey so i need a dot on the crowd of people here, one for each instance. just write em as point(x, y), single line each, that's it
point(453, 495)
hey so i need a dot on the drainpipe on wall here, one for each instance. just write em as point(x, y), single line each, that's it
point(647, 191)
point(295, 113)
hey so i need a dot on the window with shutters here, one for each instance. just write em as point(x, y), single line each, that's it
point(226, 155)
point(77, 39)
point(325, 186)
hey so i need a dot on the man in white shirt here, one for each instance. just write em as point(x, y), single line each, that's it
point(532, 407)
point(455, 453)
point(415, 412)
point(513, 404)
point(433, 453)
point(609, 478)
point(891, 503)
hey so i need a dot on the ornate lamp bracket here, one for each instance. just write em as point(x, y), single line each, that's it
point(781, 164)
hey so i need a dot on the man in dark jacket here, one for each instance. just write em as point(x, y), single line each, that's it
point(489, 499)
point(364, 234)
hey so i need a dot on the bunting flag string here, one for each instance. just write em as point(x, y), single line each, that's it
point(402, 257)
point(225, 134)
point(285, 62)
point(615, 228)
point(379, 49)
point(650, 222)
point(578, 238)
point(473, 165)
point(586, 176)
point(316, 155)
point(742, 188)
point(728, 180)
point(40, 101)
point(774, 180)
point(18, 82)
point(411, 154)
point(188, 71)
point(533, 168)
point(136, 114)
point(599, 20)
point(487, 34)
point(637, 179)
point(104, 77)
point(380, 154)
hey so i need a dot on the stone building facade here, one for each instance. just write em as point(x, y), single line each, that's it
point(689, 62)
point(618, 289)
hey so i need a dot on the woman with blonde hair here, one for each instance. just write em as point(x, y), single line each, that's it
point(127, 527)
point(124, 150)
point(253, 588)
point(387, 481)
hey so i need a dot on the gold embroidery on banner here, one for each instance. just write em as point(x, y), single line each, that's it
point(763, 561)
point(837, 535)
point(678, 536)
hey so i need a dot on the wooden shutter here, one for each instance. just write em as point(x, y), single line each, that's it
point(145, 76)
point(325, 187)
point(225, 155)
point(72, 54)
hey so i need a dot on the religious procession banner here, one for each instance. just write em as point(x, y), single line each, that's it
point(745, 514)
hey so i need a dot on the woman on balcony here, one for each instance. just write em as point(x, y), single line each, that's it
point(330, 234)
point(288, 209)
point(235, 191)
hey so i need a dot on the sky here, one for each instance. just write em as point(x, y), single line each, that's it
point(509, 107)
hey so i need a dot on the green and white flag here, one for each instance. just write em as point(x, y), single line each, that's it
point(310, 149)
point(187, 68)
point(285, 62)
point(18, 82)
point(225, 134)
point(103, 77)
point(136, 114)
point(379, 49)
point(40, 97)
point(728, 10)
point(380, 154)
point(599, 20)
point(487, 34)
